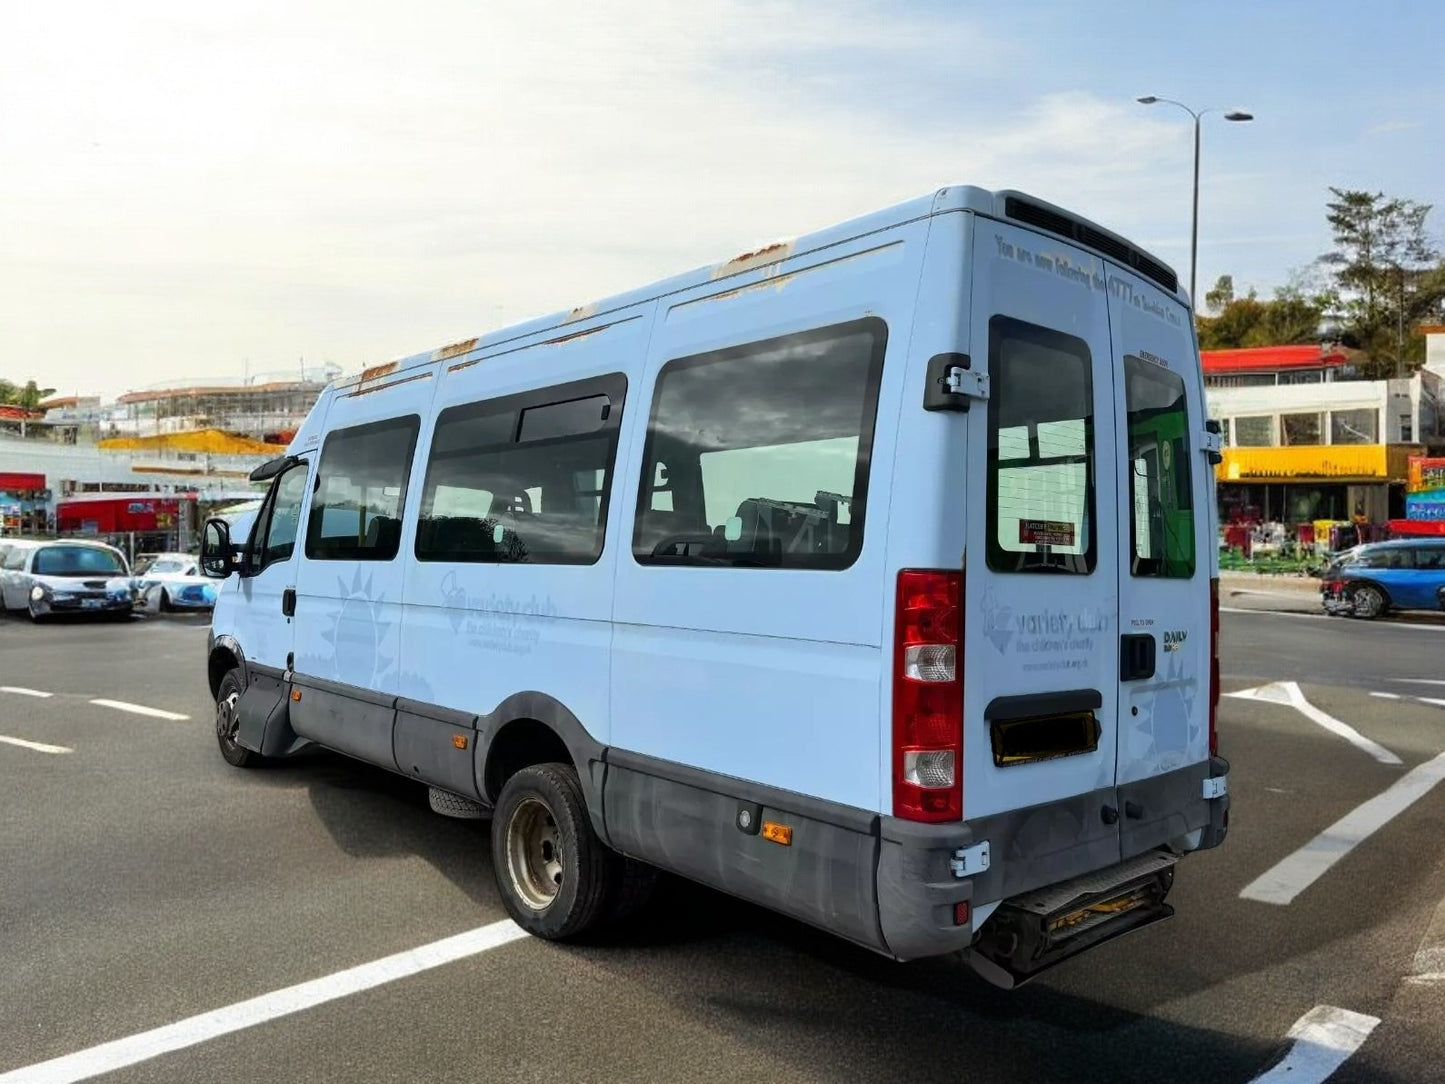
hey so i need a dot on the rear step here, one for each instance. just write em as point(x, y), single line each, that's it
point(1031, 933)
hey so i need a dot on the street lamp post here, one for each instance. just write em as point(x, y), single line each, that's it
point(1233, 115)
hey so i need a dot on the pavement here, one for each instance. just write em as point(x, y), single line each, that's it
point(168, 918)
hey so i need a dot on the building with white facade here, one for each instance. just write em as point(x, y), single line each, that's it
point(1303, 442)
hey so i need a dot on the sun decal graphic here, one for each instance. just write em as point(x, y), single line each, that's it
point(359, 631)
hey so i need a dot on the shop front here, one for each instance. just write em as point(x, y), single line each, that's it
point(23, 503)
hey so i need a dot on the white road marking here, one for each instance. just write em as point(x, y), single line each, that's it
point(1422, 626)
point(1388, 696)
point(39, 747)
point(1431, 700)
point(1418, 681)
point(21, 691)
point(1324, 1038)
point(1291, 876)
point(1288, 693)
point(133, 1049)
point(1429, 963)
point(140, 709)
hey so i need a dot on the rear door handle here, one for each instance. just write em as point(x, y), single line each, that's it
point(288, 602)
point(1136, 656)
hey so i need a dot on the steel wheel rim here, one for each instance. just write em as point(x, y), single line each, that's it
point(534, 854)
point(1367, 602)
point(227, 720)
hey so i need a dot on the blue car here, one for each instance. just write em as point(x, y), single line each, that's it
point(1369, 580)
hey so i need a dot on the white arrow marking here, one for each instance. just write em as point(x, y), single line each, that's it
point(1287, 692)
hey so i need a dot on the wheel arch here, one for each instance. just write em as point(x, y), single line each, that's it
point(225, 655)
point(533, 728)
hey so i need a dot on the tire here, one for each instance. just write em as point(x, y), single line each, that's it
point(35, 618)
point(227, 695)
point(556, 878)
point(1368, 602)
point(164, 605)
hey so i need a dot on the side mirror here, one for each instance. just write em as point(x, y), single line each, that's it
point(218, 556)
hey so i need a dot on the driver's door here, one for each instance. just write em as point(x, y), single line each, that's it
point(268, 572)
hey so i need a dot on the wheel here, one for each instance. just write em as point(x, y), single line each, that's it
point(556, 878)
point(228, 695)
point(164, 605)
point(34, 617)
point(1367, 601)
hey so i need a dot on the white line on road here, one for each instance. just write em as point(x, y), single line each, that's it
point(1288, 878)
point(133, 1049)
point(1324, 1038)
point(1288, 693)
point(1420, 625)
point(1388, 696)
point(1429, 963)
point(1418, 681)
point(21, 691)
point(140, 709)
point(39, 747)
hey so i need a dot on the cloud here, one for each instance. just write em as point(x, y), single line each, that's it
point(188, 186)
point(1390, 127)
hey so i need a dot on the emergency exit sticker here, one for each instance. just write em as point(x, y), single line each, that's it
point(1046, 532)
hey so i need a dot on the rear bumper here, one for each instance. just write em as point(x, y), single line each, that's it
point(1029, 849)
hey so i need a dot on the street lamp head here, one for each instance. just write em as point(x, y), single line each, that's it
point(1148, 99)
point(1238, 114)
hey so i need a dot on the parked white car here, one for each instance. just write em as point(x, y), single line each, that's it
point(173, 581)
point(66, 577)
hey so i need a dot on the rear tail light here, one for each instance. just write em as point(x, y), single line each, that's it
point(1213, 666)
point(928, 696)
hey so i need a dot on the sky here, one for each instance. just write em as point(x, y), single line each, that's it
point(193, 190)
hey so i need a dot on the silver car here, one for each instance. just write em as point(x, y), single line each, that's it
point(46, 579)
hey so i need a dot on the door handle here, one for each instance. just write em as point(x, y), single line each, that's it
point(1136, 656)
point(288, 602)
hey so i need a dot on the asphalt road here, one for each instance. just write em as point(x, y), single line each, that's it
point(143, 882)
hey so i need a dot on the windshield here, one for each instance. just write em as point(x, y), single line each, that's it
point(77, 561)
point(167, 566)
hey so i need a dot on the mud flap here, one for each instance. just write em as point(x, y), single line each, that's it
point(263, 717)
point(1034, 932)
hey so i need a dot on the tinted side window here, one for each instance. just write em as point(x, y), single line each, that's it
point(757, 456)
point(1431, 558)
point(360, 492)
point(524, 477)
point(1040, 450)
point(1162, 525)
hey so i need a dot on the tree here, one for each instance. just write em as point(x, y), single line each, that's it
point(1221, 294)
point(28, 397)
point(1292, 316)
point(1388, 273)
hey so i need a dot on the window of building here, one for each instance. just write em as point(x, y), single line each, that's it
point(360, 491)
point(1302, 376)
point(1355, 426)
point(1254, 432)
point(1296, 429)
point(1407, 430)
point(1162, 525)
point(523, 478)
point(1040, 450)
point(757, 456)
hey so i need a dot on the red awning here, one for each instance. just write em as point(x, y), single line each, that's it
point(12, 482)
point(1263, 359)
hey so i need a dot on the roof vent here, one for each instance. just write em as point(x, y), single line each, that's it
point(1046, 218)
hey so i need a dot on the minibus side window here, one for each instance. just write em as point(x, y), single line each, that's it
point(360, 491)
point(523, 478)
point(1162, 522)
point(757, 456)
point(1040, 450)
